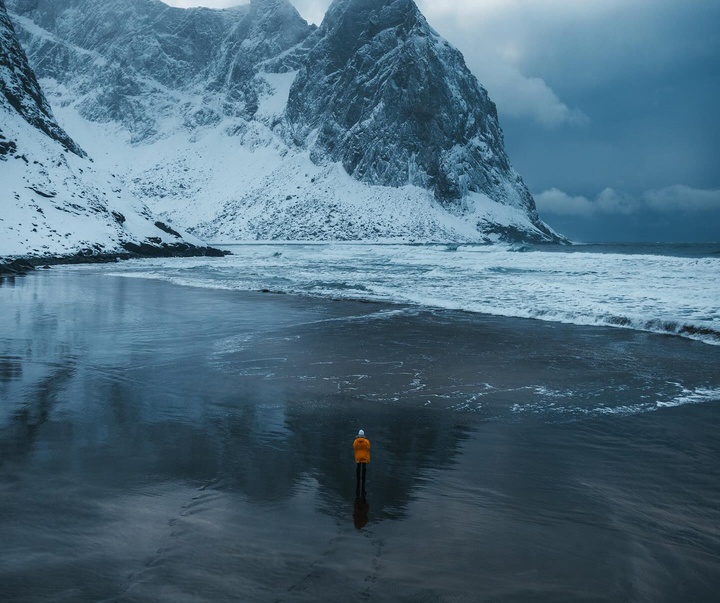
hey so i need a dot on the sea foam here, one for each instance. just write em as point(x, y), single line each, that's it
point(655, 293)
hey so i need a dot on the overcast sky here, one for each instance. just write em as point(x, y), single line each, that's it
point(609, 107)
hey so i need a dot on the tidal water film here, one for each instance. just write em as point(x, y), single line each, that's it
point(166, 442)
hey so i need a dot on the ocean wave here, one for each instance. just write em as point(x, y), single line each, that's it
point(653, 293)
point(702, 333)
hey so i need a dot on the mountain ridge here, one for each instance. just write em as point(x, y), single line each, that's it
point(267, 109)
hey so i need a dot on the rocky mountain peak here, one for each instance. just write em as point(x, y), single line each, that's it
point(135, 60)
point(396, 104)
point(358, 21)
point(269, 28)
point(273, 5)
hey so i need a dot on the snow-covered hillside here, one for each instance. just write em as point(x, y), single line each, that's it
point(54, 202)
point(249, 123)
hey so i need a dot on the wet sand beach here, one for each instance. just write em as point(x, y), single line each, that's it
point(169, 443)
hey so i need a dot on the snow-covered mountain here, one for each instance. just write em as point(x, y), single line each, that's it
point(53, 201)
point(248, 123)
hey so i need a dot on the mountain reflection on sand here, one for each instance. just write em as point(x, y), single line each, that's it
point(165, 443)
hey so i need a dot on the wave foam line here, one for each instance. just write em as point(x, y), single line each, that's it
point(686, 397)
point(660, 326)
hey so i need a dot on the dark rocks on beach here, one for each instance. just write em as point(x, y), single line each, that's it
point(15, 267)
point(11, 267)
point(174, 250)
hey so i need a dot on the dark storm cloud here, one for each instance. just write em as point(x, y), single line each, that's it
point(644, 77)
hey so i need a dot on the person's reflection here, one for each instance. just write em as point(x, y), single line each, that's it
point(360, 513)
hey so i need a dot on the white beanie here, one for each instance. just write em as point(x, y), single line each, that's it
point(361, 434)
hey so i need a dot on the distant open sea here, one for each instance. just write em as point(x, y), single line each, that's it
point(544, 426)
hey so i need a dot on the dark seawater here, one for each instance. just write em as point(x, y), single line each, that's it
point(679, 250)
point(168, 443)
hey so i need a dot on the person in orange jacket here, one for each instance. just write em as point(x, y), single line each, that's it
point(361, 446)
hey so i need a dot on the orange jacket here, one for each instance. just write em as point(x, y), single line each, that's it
point(361, 446)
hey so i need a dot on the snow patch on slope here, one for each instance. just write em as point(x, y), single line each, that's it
point(251, 186)
point(56, 203)
point(274, 99)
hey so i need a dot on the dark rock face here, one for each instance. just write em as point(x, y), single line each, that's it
point(7, 147)
point(20, 90)
point(175, 46)
point(267, 29)
point(397, 105)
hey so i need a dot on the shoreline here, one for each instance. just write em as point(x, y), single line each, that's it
point(19, 265)
point(274, 274)
point(489, 331)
